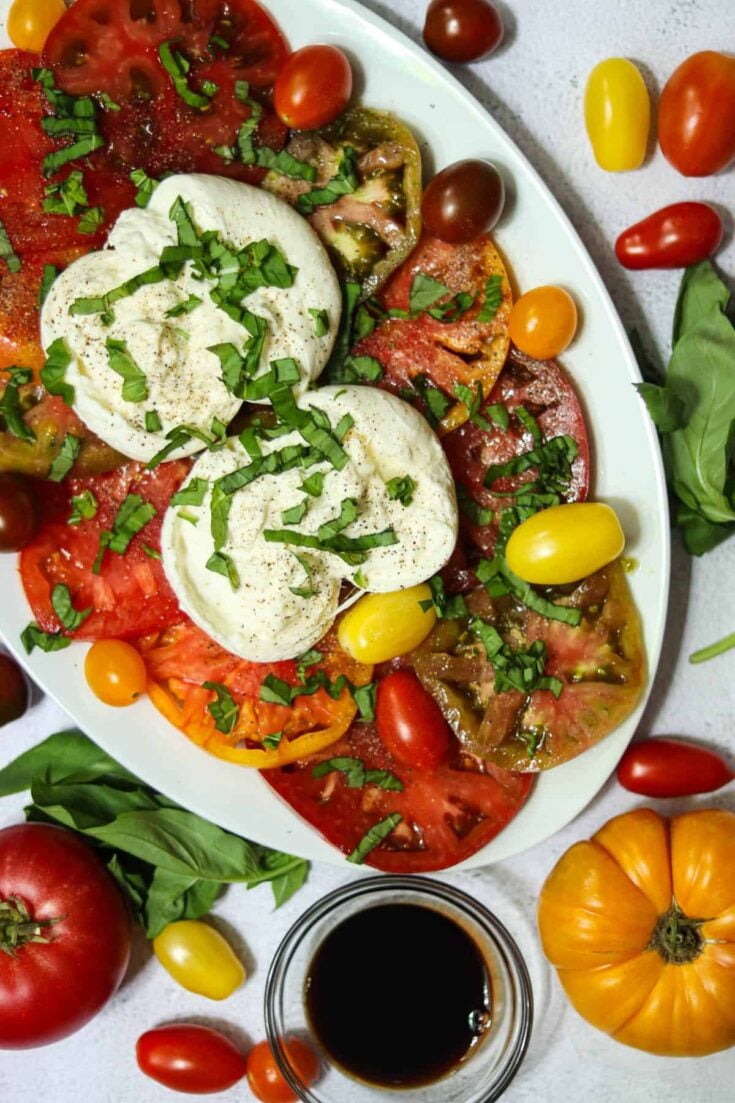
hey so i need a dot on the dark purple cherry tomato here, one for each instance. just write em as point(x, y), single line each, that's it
point(464, 201)
point(674, 237)
point(14, 690)
point(20, 516)
point(672, 768)
point(190, 1058)
point(410, 723)
point(462, 30)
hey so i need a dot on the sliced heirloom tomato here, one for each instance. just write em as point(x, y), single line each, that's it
point(600, 664)
point(130, 596)
point(468, 351)
point(447, 814)
point(112, 46)
point(370, 223)
point(543, 389)
point(183, 658)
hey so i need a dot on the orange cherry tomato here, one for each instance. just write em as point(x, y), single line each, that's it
point(115, 672)
point(313, 88)
point(543, 322)
point(265, 1078)
point(31, 21)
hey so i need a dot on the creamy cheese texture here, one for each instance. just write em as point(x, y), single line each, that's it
point(183, 378)
point(263, 620)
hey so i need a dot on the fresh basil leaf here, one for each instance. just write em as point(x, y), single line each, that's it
point(11, 409)
point(224, 711)
point(425, 291)
point(347, 514)
point(193, 494)
point(344, 182)
point(66, 458)
point(53, 372)
point(50, 272)
point(171, 897)
point(384, 780)
point(152, 553)
point(374, 837)
point(665, 407)
point(284, 164)
point(357, 369)
point(321, 321)
point(184, 307)
point(146, 186)
point(314, 484)
point(91, 220)
point(492, 301)
point(273, 741)
point(296, 514)
point(345, 337)
point(7, 253)
point(276, 692)
point(472, 510)
point(65, 756)
point(177, 68)
point(132, 516)
point(87, 144)
point(85, 807)
point(131, 883)
point(153, 422)
point(352, 768)
point(701, 292)
point(219, 563)
point(285, 884)
point(700, 535)
point(84, 507)
point(308, 591)
point(70, 618)
point(32, 637)
point(68, 196)
point(135, 382)
point(499, 414)
point(401, 489)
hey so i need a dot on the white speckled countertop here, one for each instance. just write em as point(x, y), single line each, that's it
point(533, 87)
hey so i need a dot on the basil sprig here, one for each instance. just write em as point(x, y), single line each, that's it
point(171, 864)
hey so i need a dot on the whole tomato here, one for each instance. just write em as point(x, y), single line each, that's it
point(677, 236)
point(190, 1058)
point(672, 768)
point(313, 88)
point(696, 116)
point(54, 888)
point(410, 723)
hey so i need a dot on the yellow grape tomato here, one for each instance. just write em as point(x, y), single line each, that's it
point(383, 626)
point(31, 21)
point(199, 959)
point(617, 114)
point(565, 543)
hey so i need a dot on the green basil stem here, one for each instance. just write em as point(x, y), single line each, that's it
point(714, 649)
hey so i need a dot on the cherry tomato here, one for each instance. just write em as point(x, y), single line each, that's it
point(31, 21)
point(543, 322)
point(696, 115)
point(674, 237)
point(190, 1058)
point(266, 1079)
point(115, 672)
point(199, 959)
point(463, 202)
point(565, 543)
point(617, 114)
point(14, 690)
point(313, 88)
point(410, 723)
point(383, 626)
point(20, 516)
point(49, 989)
point(672, 768)
point(462, 30)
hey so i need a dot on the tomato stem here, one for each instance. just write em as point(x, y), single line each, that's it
point(18, 927)
point(676, 937)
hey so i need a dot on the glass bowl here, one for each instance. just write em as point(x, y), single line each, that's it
point(490, 1065)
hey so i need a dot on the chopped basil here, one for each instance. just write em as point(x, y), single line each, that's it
point(309, 591)
point(102, 304)
point(273, 741)
point(552, 457)
point(436, 402)
point(353, 550)
point(184, 307)
point(425, 291)
point(68, 197)
point(52, 162)
point(177, 67)
point(91, 220)
point(400, 489)
point(193, 494)
point(521, 669)
point(321, 321)
point(176, 438)
point(50, 272)
point(107, 102)
point(471, 509)
point(356, 776)
point(224, 711)
point(152, 553)
point(152, 422)
point(53, 372)
point(473, 401)
point(218, 41)
point(284, 164)
point(344, 182)
point(277, 692)
point(222, 564)
point(499, 414)
point(449, 608)
point(7, 253)
point(146, 186)
point(185, 515)
point(365, 698)
point(497, 577)
point(296, 514)
point(132, 516)
point(347, 514)
point(70, 618)
point(32, 637)
point(135, 383)
point(528, 421)
point(374, 837)
point(11, 409)
point(493, 299)
point(313, 484)
point(66, 459)
point(84, 507)
point(356, 369)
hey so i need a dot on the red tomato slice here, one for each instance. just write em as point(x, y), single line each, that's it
point(449, 813)
point(546, 391)
point(112, 46)
point(130, 597)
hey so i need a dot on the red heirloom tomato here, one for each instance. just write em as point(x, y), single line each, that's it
point(696, 115)
point(313, 88)
point(462, 30)
point(674, 237)
point(53, 885)
point(265, 1078)
point(20, 515)
point(190, 1058)
point(672, 768)
point(410, 722)
point(463, 201)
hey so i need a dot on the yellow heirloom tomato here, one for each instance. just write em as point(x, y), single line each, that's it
point(565, 543)
point(383, 626)
point(199, 959)
point(31, 21)
point(617, 113)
